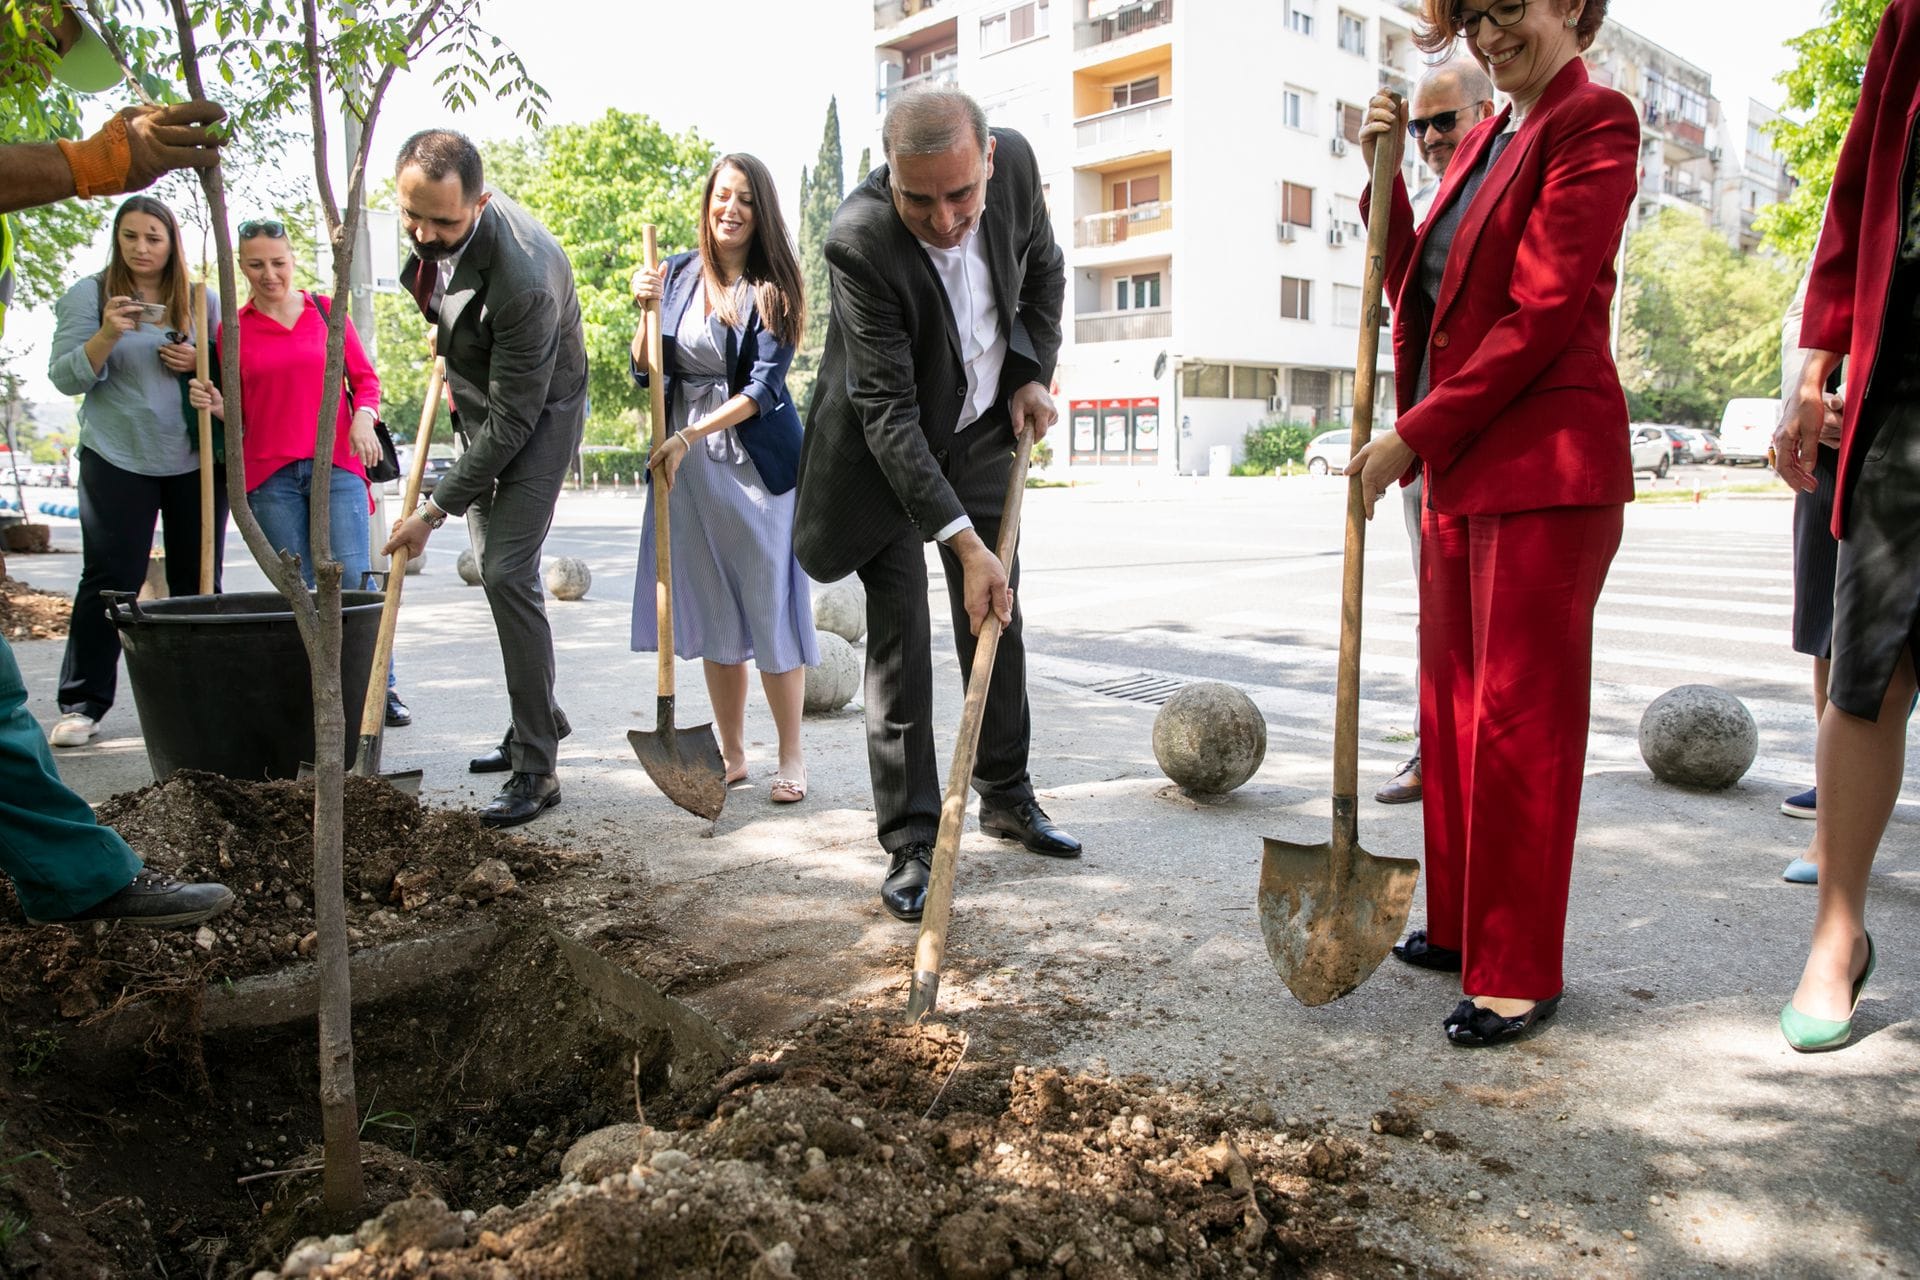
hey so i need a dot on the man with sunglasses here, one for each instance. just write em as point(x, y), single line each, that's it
point(1447, 103)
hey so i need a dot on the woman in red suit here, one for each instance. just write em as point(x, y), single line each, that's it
point(1863, 302)
point(1508, 396)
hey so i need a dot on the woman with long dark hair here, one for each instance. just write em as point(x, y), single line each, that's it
point(731, 315)
point(122, 339)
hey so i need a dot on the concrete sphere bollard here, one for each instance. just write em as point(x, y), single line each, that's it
point(568, 578)
point(468, 566)
point(1209, 738)
point(1698, 736)
point(841, 608)
point(832, 684)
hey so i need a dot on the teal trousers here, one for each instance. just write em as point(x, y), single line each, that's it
point(60, 859)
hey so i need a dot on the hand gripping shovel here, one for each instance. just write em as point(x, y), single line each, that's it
point(937, 910)
point(684, 763)
point(1332, 911)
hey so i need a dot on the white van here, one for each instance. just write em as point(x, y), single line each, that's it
point(1746, 430)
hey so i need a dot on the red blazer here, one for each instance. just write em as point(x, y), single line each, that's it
point(1524, 409)
point(1853, 267)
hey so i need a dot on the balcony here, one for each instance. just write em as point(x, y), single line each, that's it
point(891, 13)
point(1122, 225)
point(1124, 326)
point(942, 77)
point(1141, 127)
point(1128, 19)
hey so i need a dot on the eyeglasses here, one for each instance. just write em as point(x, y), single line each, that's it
point(1439, 122)
point(272, 228)
point(1466, 22)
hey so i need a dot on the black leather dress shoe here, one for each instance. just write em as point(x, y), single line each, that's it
point(525, 797)
point(497, 760)
point(1472, 1027)
point(1029, 824)
point(398, 716)
point(1417, 951)
point(904, 892)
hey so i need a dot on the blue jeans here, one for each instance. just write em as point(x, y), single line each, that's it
point(280, 504)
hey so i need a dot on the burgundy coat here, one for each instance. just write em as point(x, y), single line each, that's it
point(1847, 293)
point(1525, 409)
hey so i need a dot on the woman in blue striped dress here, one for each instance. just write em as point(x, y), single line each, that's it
point(731, 315)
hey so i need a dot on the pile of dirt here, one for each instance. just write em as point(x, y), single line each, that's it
point(27, 614)
point(409, 870)
point(872, 1149)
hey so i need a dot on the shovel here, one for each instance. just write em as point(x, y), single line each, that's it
point(936, 912)
point(205, 438)
point(1332, 911)
point(373, 715)
point(684, 763)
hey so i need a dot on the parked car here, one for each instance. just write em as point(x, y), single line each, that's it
point(1329, 451)
point(1682, 444)
point(1746, 429)
point(1705, 446)
point(439, 461)
point(1652, 449)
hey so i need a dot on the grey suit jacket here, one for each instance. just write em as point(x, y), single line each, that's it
point(891, 382)
point(516, 354)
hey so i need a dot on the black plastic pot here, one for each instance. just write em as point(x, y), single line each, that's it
point(222, 682)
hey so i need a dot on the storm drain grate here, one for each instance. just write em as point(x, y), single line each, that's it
point(1154, 690)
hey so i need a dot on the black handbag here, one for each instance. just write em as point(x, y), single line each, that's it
point(388, 468)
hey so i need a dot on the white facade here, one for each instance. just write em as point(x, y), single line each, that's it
point(1197, 164)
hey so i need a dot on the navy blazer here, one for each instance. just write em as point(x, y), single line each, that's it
point(757, 364)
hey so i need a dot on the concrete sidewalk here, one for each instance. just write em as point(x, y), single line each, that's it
point(1661, 1102)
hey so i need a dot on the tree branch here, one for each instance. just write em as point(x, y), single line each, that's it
point(316, 96)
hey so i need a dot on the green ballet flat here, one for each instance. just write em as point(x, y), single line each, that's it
point(1818, 1035)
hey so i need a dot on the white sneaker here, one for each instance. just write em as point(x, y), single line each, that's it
point(75, 729)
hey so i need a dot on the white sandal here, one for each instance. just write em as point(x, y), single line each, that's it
point(799, 790)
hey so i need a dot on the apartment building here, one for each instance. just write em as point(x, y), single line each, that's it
point(1201, 164)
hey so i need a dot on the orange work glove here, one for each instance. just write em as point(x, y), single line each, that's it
point(141, 143)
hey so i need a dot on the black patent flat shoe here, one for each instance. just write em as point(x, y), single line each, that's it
point(1420, 953)
point(1472, 1027)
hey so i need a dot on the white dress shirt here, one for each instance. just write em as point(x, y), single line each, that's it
point(983, 347)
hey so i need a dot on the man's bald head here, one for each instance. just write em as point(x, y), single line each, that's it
point(1459, 87)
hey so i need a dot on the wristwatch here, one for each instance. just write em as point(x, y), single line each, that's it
point(430, 515)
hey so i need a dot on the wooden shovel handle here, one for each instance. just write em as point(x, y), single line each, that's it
point(201, 365)
point(657, 402)
point(1346, 716)
point(937, 913)
point(373, 712)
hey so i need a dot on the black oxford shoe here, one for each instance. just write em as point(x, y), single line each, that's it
point(525, 797)
point(497, 760)
point(904, 892)
point(1029, 824)
point(398, 714)
point(1417, 951)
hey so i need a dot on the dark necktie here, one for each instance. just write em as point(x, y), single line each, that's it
point(426, 276)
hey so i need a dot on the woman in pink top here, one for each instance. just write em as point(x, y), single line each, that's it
point(283, 355)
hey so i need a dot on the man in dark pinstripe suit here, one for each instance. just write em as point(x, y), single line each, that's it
point(947, 293)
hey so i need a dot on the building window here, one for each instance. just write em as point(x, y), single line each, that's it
point(1300, 16)
point(1296, 204)
point(1296, 108)
point(1350, 118)
point(1296, 298)
point(1130, 193)
point(1346, 306)
point(1353, 33)
point(1204, 381)
point(1255, 382)
point(1135, 92)
point(1014, 25)
point(1133, 293)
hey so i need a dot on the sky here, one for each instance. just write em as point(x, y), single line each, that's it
point(760, 82)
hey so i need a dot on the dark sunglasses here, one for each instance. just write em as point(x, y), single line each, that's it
point(1439, 122)
point(272, 228)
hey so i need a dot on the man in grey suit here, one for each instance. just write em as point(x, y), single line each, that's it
point(500, 290)
point(947, 292)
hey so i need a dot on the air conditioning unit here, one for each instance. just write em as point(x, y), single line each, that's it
point(1276, 404)
point(1285, 231)
point(1336, 235)
point(1338, 146)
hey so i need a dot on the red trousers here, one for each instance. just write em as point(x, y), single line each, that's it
point(1506, 678)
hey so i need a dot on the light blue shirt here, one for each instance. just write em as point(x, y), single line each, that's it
point(131, 413)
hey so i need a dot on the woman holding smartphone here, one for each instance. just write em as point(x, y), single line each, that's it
point(122, 340)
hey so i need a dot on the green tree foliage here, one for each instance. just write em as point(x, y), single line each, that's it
point(1823, 88)
point(820, 195)
point(1271, 444)
point(865, 166)
point(1701, 322)
point(595, 185)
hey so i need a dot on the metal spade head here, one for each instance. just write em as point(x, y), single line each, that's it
point(684, 763)
point(1331, 912)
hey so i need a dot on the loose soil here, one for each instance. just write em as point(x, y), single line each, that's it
point(27, 614)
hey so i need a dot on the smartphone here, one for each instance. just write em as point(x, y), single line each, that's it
point(152, 312)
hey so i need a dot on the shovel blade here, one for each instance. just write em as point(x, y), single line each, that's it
point(685, 764)
point(406, 782)
point(1325, 938)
